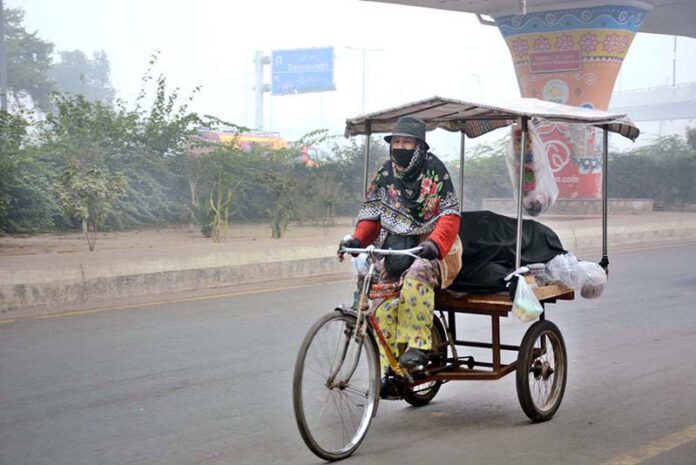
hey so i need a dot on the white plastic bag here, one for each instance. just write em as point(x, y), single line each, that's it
point(595, 280)
point(359, 264)
point(539, 188)
point(526, 306)
point(565, 269)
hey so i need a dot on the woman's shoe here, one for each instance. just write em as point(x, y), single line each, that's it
point(413, 358)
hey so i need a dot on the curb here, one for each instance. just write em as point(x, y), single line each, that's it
point(70, 291)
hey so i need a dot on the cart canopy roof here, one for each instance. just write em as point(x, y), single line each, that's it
point(476, 119)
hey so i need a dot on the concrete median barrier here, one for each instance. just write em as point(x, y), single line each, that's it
point(72, 286)
point(49, 281)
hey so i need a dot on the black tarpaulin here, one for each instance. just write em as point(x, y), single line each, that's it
point(488, 241)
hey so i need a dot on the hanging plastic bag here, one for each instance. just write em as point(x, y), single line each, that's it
point(595, 280)
point(526, 306)
point(539, 188)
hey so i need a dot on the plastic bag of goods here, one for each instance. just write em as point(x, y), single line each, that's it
point(359, 264)
point(539, 188)
point(565, 269)
point(360, 267)
point(526, 306)
point(595, 280)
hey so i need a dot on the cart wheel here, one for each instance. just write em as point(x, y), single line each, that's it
point(335, 387)
point(422, 394)
point(541, 371)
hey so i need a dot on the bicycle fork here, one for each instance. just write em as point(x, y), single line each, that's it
point(363, 316)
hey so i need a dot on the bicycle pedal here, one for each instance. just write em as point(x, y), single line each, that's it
point(392, 388)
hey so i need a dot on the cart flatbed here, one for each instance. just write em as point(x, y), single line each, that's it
point(496, 303)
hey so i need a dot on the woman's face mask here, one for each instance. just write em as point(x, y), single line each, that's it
point(402, 150)
point(402, 157)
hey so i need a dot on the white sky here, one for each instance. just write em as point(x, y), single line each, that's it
point(212, 43)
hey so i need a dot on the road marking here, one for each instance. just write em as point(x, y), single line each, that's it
point(655, 448)
point(173, 301)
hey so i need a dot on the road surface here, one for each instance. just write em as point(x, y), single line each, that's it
point(208, 381)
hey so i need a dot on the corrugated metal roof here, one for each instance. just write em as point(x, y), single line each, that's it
point(475, 119)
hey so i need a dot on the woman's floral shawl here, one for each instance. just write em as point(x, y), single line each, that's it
point(411, 201)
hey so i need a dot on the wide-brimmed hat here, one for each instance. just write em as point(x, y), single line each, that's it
point(409, 126)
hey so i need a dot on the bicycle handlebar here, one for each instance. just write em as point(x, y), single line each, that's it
point(372, 250)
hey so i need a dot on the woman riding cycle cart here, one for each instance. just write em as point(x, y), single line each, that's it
point(336, 385)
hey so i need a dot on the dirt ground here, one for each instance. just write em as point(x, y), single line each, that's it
point(237, 234)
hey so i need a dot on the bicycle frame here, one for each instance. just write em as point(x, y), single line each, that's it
point(365, 315)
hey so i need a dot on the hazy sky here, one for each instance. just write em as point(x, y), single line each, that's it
point(211, 43)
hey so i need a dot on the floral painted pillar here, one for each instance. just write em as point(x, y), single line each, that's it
point(572, 56)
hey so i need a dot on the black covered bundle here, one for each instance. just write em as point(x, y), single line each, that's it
point(488, 256)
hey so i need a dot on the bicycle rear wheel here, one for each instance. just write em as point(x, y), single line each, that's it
point(542, 367)
point(335, 386)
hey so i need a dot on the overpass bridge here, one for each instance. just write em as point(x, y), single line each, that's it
point(664, 103)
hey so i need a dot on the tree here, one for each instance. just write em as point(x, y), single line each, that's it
point(26, 202)
point(77, 74)
point(86, 194)
point(283, 190)
point(223, 173)
point(691, 138)
point(28, 60)
point(12, 131)
point(664, 170)
point(146, 144)
point(347, 164)
point(485, 175)
point(288, 182)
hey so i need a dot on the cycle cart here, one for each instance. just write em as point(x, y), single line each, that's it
point(337, 379)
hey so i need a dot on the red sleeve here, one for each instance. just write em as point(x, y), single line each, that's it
point(445, 232)
point(367, 232)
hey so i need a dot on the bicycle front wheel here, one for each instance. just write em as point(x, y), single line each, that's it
point(335, 386)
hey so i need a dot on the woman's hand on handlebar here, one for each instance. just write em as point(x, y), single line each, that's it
point(429, 250)
point(349, 242)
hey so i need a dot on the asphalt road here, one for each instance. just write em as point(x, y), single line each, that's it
point(209, 382)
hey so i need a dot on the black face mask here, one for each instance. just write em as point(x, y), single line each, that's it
point(402, 157)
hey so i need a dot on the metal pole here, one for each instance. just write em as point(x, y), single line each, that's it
point(362, 105)
point(259, 88)
point(364, 52)
point(462, 146)
point(605, 198)
point(3, 60)
point(366, 154)
point(674, 63)
point(246, 99)
point(523, 149)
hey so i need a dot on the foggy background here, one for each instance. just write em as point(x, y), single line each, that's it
point(413, 53)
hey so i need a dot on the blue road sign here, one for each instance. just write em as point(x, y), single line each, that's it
point(302, 70)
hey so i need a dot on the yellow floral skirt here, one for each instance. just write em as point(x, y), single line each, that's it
point(406, 321)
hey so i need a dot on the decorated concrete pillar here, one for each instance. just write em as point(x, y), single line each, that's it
point(573, 56)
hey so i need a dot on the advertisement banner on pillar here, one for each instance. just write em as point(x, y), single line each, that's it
point(572, 56)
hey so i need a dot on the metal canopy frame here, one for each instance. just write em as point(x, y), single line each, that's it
point(474, 119)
